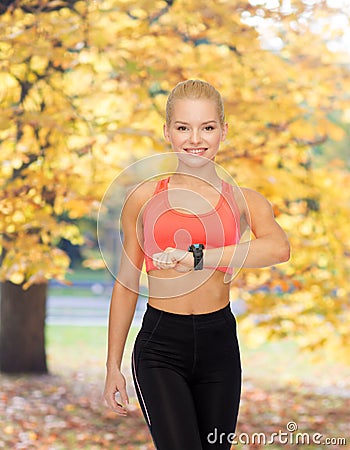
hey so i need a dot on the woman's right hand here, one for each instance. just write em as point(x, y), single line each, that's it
point(115, 382)
point(173, 258)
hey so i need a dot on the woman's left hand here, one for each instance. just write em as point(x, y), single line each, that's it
point(173, 258)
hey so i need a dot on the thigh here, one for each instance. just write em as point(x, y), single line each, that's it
point(217, 406)
point(167, 404)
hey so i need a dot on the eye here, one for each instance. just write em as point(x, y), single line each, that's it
point(181, 128)
point(209, 128)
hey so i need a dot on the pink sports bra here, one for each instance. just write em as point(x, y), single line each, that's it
point(164, 226)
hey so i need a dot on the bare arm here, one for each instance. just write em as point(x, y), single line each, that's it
point(123, 302)
point(121, 313)
point(269, 247)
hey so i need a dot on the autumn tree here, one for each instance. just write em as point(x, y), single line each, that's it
point(83, 88)
point(45, 171)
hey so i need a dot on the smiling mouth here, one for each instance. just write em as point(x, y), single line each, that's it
point(196, 151)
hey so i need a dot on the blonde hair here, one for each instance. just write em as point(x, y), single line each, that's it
point(194, 89)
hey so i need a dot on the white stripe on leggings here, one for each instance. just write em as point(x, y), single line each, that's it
point(139, 389)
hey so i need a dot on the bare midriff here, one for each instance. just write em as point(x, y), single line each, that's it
point(195, 292)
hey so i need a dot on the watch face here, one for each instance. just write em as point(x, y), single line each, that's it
point(197, 250)
point(195, 247)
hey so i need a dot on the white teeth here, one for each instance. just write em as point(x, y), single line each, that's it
point(195, 151)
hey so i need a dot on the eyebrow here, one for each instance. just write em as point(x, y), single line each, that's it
point(204, 123)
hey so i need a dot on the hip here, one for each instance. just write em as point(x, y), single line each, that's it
point(184, 328)
point(205, 342)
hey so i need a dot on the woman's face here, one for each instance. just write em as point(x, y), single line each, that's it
point(195, 129)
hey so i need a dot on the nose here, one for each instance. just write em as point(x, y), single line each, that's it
point(195, 136)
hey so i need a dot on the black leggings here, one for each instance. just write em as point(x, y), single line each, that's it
point(187, 376)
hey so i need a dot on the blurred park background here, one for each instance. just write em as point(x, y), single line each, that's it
point(83, 86)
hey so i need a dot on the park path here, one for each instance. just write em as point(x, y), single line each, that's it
point(84, 311)
point(92, 309)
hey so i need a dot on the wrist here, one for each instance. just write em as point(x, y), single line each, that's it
point(188, 260)
point(211, 257)
point(113, 365)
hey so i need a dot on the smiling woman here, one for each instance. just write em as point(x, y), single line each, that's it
point(187, 227)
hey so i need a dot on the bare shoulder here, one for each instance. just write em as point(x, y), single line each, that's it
point(254, 198)
point(257, 207)
point(248, 200)
point(139, 194)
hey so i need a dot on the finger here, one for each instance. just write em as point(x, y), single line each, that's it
point(115, 406)
point(120, 410)
point(114, 401)
point(168, 259)
point(168, 263)
point(157, 259)
point(124, 396)
point(163, 260)
point(164, 256)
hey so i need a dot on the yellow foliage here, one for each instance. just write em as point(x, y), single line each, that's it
point(94, 264)
point(83, 95)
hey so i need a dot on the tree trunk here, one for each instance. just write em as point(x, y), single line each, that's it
point(22, 328)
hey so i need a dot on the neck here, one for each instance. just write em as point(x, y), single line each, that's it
point(206, 173)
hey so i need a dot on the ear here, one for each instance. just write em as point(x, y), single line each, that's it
point(224, 132)
point(166, 132)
